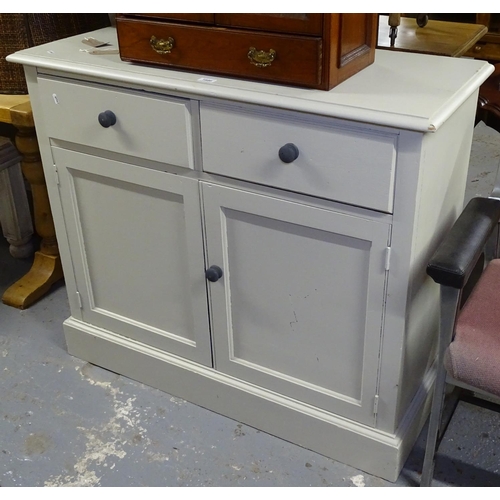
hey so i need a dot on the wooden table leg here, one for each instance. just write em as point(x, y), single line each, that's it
point(46, 269)
point(15, 216)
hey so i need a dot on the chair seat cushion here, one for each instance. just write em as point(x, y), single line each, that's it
point(474, 355)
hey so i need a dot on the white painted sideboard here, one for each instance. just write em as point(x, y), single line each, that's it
point(291, 296)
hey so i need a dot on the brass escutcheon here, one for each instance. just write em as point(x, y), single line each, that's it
point(162, 46)
point(261, 58)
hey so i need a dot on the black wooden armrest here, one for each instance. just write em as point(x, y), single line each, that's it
point(456, 256)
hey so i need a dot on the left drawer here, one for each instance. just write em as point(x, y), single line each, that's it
point(139, 124)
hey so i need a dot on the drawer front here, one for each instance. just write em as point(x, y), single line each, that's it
point(311, 24)
point(205, 18)
point(150, 127)
point(276, 57)
point(345, 164)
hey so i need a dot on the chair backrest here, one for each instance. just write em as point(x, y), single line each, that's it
point(457, 255)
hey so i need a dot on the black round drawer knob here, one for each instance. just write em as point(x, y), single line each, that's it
point(288, 153)
point(213, 273)
point(107, 118)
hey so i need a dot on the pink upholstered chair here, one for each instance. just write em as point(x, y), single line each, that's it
point(469, 336)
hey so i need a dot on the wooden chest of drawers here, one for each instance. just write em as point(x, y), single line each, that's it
point(310, 50)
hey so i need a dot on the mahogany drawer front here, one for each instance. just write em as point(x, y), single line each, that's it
point(147, 126)
point(307, 24)
point(339, 163)
point(296, 59)
point(311, 24)
point(189, 17)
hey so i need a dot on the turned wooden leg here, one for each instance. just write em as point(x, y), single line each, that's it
point(15, 216)
point(46, 269)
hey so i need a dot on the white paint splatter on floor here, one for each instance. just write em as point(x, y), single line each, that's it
point(358, 480)
point(107, 443)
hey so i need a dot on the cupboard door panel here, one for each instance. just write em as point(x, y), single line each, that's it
point(139, 262)
point(299, 309)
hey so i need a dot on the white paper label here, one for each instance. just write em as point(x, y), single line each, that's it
point(205, 79)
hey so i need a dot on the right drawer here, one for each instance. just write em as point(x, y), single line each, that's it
point(341, 163)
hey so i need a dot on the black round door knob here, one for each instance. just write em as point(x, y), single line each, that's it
point(213, 273)
point(107, 118)
point(288, 153)
point(422, 20)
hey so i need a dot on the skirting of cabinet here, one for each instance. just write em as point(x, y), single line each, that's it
point(377, 453)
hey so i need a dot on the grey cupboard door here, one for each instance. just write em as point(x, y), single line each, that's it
point(135, 237)
point(299, 307)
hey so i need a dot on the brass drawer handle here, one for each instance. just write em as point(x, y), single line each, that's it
point(162, 46)
point(261, 58)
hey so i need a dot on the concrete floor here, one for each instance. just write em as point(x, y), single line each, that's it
point(64, 422)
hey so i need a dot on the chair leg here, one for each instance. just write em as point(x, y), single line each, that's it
point(449, 304)
point(434, 424)
point(15, 217)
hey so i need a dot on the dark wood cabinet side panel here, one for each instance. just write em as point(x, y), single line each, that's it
point(353, 39)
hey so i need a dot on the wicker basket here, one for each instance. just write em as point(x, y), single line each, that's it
point(20, 31)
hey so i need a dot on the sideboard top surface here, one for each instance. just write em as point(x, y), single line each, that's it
point(403, 90)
